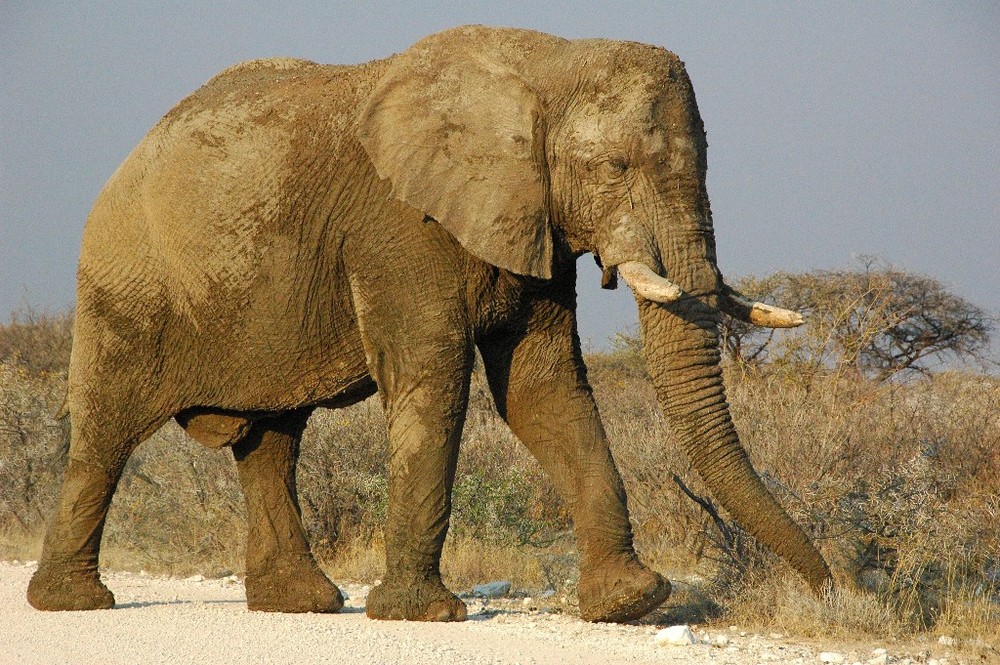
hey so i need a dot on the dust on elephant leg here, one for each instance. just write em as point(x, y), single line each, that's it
point(292, 583)
point(282, 575)
point(424, 431)
point(418, 341)
point(617, 592)
point(409, 600)
point(67, 577)
point(424, 436)
point(53, 589)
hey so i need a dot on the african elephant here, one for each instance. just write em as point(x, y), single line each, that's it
point(295, 235)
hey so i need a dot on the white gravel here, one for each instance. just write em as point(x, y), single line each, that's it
point(165, 620)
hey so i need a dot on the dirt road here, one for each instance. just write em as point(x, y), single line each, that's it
point(160, 620)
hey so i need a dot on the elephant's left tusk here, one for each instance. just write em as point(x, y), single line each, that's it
point(738, 306)
point(647, 283)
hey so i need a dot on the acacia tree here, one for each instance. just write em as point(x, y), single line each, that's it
point(880, 322)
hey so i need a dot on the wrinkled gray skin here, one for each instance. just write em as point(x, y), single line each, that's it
point(295, 235)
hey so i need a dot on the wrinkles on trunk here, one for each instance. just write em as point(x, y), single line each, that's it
point(682, 353)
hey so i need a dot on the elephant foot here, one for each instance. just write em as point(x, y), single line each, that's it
point(53, 588)
point(420, 600)
point(292, 585)
point(623, 592)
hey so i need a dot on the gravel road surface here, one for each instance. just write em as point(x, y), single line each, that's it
point(165, 620)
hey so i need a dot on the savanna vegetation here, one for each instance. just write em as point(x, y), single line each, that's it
point(877, 426)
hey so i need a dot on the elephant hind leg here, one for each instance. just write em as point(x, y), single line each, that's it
point(67, 577)
point(101, 443)
point(282, 575)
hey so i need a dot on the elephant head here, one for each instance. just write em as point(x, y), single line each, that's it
point(524, 145)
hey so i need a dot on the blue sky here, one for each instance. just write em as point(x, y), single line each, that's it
point(835, 129)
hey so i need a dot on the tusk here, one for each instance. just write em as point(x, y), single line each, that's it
point(740, 307)
point(647, 283)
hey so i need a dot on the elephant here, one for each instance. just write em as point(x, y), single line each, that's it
point(295, 235)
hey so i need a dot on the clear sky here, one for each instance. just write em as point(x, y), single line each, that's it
point(835, 129)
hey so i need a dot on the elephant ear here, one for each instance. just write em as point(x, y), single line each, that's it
point(458, 134)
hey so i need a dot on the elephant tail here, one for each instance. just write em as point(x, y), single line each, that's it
point(63, 410)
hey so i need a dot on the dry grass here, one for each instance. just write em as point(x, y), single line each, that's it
point(775, 600)
point(898, 482)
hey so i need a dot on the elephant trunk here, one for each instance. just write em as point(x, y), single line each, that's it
point(680, 341)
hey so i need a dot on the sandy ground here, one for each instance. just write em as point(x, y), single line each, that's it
point(165, 620)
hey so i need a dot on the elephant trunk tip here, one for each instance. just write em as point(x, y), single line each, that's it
point(821, 582)
point(820, 579)
point(810, 564)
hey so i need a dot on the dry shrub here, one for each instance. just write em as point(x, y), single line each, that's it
point(359, 559)
point(38, 340)
point(33, 447)
point(898, 482)
point(882, 467)
point(468, 561)
point(502, 495)
point(178, 509)
point(776, 600)
point(341, 476)
point(648, 456)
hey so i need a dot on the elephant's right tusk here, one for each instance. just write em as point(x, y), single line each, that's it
point(738, 306)
point(647, 284)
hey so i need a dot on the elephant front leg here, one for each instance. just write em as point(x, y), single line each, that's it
point(426, 411)
point(539, 383)
point(282, 575)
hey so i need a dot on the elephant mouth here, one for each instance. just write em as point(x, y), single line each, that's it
point(649, 285)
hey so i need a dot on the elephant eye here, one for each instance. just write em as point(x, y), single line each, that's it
point(614, 167)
